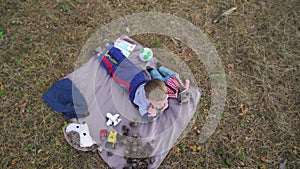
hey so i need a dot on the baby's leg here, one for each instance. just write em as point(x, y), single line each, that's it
point(167, 73)
point(126, 73)
point(108, 65)
point(156, 75)
point(116, 54)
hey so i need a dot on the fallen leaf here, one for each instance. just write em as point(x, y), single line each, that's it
point(264, 159)
point(244, 111)
point(176, 150)
point(262, 167)
point(1, 86)
point(174, 41)
point(230, 66)
point(70, 37)
point(22, 108)
point(195, 148)
point(241, 105)
point(26, 95)
point(46, 158)
point(295, 152)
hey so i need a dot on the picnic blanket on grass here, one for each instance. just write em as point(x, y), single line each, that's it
point(102, 95)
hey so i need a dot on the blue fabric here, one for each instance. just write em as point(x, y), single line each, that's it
point(64, 97)
point(124, 71)
point(162, 73)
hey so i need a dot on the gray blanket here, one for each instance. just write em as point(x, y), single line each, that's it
point(104, 95)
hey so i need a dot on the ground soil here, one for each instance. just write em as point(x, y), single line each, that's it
point(258, 45)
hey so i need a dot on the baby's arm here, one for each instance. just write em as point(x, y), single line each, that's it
point(185, 85)
point(165, 106)
point(149, 112)
point(152, 110)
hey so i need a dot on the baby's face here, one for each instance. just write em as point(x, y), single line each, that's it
point(159, 104)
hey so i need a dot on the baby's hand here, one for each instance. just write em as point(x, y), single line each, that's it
point(165, 106)
point(152, 110)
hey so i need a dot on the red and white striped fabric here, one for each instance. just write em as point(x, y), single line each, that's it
point(172, 87)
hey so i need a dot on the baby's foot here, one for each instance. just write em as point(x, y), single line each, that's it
point(158, 65)
point(187, 84)
point(149, 69)
point(185, 87)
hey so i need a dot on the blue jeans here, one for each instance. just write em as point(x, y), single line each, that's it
point(162, 73)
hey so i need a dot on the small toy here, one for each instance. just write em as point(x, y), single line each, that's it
point(103, 134)
point(112, 119)
point(83, 131)
point(133, 124)
point(125, 46)
point(111, 139)
point(145, 54)
point(125, 130)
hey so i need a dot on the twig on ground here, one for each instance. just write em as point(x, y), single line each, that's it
point(224, 14)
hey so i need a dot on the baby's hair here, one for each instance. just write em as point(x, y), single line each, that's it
point(155, 90)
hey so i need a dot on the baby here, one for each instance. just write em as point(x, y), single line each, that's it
point(150, 96)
